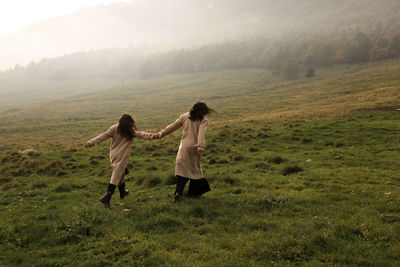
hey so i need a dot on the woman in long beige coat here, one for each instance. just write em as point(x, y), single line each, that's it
point(191, 149)
point(122, 135)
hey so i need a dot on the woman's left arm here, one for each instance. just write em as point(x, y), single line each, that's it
point(201, 137)
point(100, 138)
point(143, 135)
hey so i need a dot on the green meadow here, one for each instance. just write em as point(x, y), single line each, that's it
point(301, 173)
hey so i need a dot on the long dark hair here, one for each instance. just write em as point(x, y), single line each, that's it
point(126, 124)
point(199, 110)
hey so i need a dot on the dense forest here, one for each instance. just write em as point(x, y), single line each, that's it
point(285, 38)
point(285, 57)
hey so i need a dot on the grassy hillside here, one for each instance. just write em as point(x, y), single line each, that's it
point(301, 174)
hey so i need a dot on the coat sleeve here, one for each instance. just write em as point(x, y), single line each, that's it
point(173, 126)
point(201, 136)
point(143, 135)
point(100, 138)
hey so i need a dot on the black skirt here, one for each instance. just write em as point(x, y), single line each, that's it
point(198, 187)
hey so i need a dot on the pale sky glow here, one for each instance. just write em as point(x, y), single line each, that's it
point(16, 14)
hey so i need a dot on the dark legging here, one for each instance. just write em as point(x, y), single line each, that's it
point(196, 187)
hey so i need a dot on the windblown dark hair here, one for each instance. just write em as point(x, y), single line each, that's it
point(199, 110)
point(126, 124)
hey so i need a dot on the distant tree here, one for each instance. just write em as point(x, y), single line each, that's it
point(358, 49)
point(340, 56)
point(380, 53)
point(290, 70)
point(310, 73)
point(381, 42)
point(277, 61)
point(380, 50)
point(319, 54)
point(394, 45)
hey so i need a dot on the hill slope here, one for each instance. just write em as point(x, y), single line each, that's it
point(164, 25)
point(301, 174)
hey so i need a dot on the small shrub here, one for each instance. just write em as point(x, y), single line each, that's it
point(71, 149)
point(151, 182)
point(139, 181)
point(172, 151)
point(150, 148)
point(60, 173)
point(347, 233)
point(212, 161)
point(63, 188)
point(39, 185)
point(262, 135)
point(265, 203)
point(82, 166)
point(197, 212)
point(234, 157)
point(237, 191)
point(306, 140)
point(253, 149)
point(291, 169)
point(68, 187)
point(66, 156)
point(103, 172)
point(170, 180)
point(230, 180)
point(96, 157)
point(4, 180)
point(230, 150)
point(238, 158)
point(223, 133)
point(49, 166)
point(22, 171)
point(261, 165)
point(275, 160)
point(389, 218)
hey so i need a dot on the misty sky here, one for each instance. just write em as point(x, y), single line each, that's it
point(16, 14)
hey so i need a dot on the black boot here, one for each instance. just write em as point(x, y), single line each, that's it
point(180, 186)
point(177, 197)
point(122, 191)
point(107, 197)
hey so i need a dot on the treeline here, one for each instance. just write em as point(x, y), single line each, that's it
point(285, 57)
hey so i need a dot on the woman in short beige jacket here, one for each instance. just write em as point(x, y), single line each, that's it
point(191, 149)
point(122, 135)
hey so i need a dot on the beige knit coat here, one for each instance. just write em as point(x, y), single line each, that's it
point(119, 150)
point(192, 141)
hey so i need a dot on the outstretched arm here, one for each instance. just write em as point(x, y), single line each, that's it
point(201, 136)
point(172, 127)
point(100, 138)
point(143, 135)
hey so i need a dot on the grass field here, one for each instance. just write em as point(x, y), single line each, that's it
point(301, 173)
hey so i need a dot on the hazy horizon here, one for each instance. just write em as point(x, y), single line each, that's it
point(163, 25)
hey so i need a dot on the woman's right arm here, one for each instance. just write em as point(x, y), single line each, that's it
point(172, 127)
point(100, 138)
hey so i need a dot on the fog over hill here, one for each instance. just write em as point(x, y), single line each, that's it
point(162, 25)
